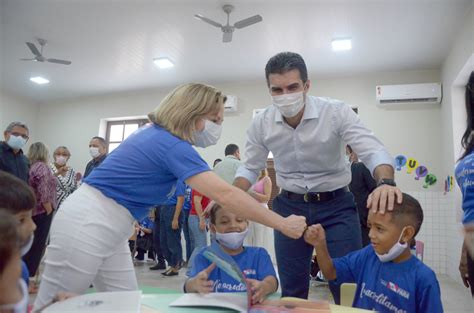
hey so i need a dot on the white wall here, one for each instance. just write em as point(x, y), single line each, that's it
point(455, 66)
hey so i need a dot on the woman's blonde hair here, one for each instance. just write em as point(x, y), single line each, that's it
point(38, 153)
point(263, 173)
point(181, 108)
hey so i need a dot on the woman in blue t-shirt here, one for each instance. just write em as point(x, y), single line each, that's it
point(465, 177)
point(90, 231)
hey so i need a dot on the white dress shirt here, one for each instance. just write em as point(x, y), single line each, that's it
point(310, 158)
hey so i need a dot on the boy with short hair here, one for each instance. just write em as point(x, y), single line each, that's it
point(254, 262)
point(389, 278)
point(18, 199)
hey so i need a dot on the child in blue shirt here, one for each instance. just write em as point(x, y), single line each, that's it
point(388, 277)
point(254, 262)
point(145, 237)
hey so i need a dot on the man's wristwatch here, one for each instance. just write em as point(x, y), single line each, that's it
point(387, 181)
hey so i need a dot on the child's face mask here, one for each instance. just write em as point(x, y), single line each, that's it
point(22, 305)
point(394, 251)
point(233, 240)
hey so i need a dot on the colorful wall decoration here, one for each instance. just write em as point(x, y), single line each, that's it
point(413, 166)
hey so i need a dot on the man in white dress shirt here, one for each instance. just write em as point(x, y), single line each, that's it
point(307, 136)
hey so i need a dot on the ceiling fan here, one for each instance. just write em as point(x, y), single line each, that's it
point(228, 29)
point(39, 53)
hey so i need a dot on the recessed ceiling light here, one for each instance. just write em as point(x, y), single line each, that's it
point(341, 44)
point(39, 80)
point(163, 62)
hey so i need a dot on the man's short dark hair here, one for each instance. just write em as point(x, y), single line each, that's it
point(409, 212)
point(231, 149)
point(15, 195)
point(9, 238)
point(101, 141)
point(284, 62)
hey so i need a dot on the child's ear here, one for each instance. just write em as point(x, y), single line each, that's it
point(408, 234)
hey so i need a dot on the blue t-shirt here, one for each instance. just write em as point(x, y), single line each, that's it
point(465, 177)
point(254, 262)
point(187, 198)
point(179, 191)
point(25, 274)
point(147, 223)
point(409, 286)
point(142, 172)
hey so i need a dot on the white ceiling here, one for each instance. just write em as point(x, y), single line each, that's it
point(112, 43)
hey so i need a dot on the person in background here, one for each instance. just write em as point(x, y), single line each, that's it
point(230, 231)
point(43, 183)
point(362, 184)
point(464, 173)
point(388, 277)
point(145, 237)
point(12, 159)
point(260, 235)
point(17, 198)
point(160, 259)
point(216, 161)
point(66, 178)
point(98, 152)
point(171, 223)
point(186, 209)
point(227, 168)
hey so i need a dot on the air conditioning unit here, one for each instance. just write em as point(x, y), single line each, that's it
point(390, 95)
point(231, 104)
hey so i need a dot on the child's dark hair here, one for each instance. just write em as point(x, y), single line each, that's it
point(212, 214)
point(409, 212)
point(9, 238)
point(15, 195)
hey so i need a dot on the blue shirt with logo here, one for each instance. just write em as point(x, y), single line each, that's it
point(465, 177)
point(143, 171)
point(254, 262)
point(409, 286)
point(178, 192)
point(187, 198)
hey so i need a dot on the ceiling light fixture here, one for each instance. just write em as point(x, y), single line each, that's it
point(341, 44)
point(163, 62)
point(39, 80)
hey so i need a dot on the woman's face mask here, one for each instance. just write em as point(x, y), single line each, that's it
point(209, 135)
point(289, 104)
point(60, 160)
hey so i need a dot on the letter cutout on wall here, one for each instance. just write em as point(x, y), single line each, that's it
point(400, 161)
point(421, 171)
point(430, 180)
point(411, 165)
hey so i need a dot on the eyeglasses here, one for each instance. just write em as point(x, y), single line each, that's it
point(18, 134)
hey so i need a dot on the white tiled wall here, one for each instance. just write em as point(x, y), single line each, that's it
point(440, 232)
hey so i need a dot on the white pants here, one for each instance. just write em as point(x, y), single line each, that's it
point(88, 244)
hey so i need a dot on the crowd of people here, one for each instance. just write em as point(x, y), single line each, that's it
point(155, 186)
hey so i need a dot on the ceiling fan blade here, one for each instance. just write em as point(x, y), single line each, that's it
point(207, 20)
point(248, 21)
point(33, 49)
point(25, 59)
point(59, 61)
point(227, 37)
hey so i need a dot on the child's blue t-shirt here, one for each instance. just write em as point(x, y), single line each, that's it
point(465, 177)
point(187, 198)
point(143, 171)
point(25, 274)
point(179, 191)
point(409, 286)
point(147, 223)
point(254, 262)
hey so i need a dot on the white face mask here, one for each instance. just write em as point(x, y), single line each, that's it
point(61, 160)
point(94, 151)
point(394, 251)
point(289, 104)
point(232, 240)
point(22, 305)
point(26, 247)
point(209, 135)
point(16, 142)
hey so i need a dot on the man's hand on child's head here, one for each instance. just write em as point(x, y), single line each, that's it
point(258, 290)
point(315, 235)
point(202, 284)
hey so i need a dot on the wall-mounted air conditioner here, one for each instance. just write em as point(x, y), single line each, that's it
point(390, 95)
point(231, 104)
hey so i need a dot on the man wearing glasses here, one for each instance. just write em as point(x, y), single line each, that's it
point(12, 159)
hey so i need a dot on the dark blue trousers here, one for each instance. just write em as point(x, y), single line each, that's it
point(170, 239)
point(340, 221)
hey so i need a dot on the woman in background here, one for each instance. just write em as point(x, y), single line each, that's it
point(65, 175)
point(42, 181)
point(465, 176)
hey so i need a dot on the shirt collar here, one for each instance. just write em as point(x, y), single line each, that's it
point(6, 147)
point(311, 110)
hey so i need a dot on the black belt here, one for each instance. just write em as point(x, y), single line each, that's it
point(314, 196)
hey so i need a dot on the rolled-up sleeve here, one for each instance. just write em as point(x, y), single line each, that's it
point(256, 153)
point(362, 140)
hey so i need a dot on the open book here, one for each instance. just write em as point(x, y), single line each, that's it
point(240, 301)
